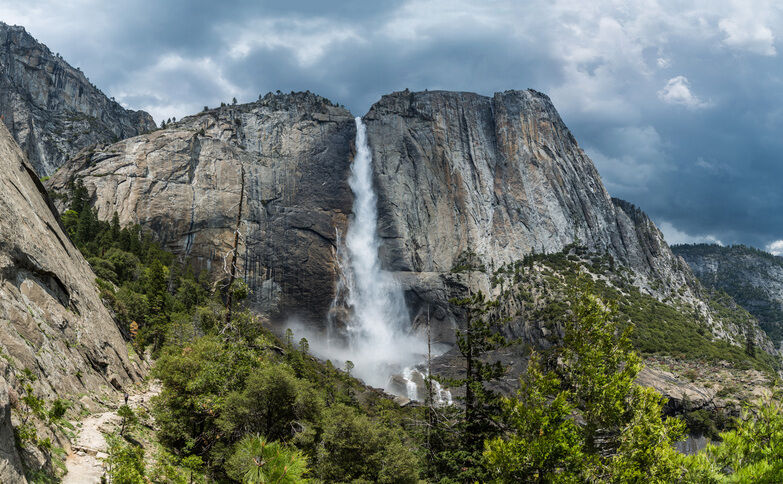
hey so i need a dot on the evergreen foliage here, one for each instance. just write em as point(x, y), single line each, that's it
point(144, 285)
point(620, 435)
point(218, 391)
point(753, 452)
point(537, 288)
point(238, 404)
point(458, 441)
point(125, 463)
point(256, 461)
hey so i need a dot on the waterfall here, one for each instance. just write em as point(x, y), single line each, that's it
point(378, 331)
point(369, 323)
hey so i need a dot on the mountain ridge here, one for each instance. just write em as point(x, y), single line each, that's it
point(501, 177)
point(51, 109)
point(753, 277)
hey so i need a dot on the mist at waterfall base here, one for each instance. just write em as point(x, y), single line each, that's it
point(376, 334)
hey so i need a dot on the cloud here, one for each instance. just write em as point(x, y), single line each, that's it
point(674, 236)
point(776, 247)
point(145, 89)
point(308, 40)
point(677, 91)
point(638, 155)
point(614, 70)
point(745, 30)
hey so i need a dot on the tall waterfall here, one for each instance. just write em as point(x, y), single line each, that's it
point(369, 322)
point(378, 326)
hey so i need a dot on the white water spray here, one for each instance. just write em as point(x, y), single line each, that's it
point(375, 333)
point(378, 329)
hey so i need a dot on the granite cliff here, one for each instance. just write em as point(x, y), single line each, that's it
point(52, 321)
point(499, 177)
point(461, 179)
point(51, 109)
point(279, 166)
point(752, 277)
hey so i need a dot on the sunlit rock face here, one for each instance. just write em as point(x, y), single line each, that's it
point(52, 321)
point(288, 154)
point(453, 172)
point(51, 109)
point(500, 176)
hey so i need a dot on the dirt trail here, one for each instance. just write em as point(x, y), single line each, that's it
point(85, 463)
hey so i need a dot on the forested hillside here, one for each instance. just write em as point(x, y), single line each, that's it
point(235, 395)
point(752, 277)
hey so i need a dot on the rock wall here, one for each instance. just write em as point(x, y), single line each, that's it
point(290, 155)
point(51, 109)
point(10, 463)
point(500, 176)
point(52, 320)
point(454, 172)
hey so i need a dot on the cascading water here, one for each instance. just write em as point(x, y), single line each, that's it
point(378, 327)
point(375, 331)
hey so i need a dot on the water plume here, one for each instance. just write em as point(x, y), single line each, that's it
point(369, 323)
point(377, 328)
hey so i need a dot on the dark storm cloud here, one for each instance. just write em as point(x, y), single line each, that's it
point(678, 105)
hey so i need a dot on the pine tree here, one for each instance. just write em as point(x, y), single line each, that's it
point(79, 197)
point(620, 435)
point(115, 227)
point(480, 337)
point(458, 436)
point(156, 289)
point(85, 226)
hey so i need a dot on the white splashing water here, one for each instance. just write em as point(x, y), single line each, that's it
point(380, 342)
point(410, 385)
point(375, 333)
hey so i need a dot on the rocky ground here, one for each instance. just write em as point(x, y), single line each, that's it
point(85, 462)
point(705, 385)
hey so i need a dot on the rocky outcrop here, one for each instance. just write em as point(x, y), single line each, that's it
point(52, 321)
point(459, 173)
point(752, 277)
point(500, 176)
point(288, 154)
point(51, 109)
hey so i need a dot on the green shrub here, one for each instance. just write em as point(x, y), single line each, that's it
point(256, 461)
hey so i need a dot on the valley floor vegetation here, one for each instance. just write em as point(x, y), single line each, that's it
point(240, 404)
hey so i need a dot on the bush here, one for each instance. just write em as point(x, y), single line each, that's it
point(353, 447)
point(125, 463)
point(274, 403)
point(257, 461)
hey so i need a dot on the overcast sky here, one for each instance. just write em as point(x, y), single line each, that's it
point(679, 104)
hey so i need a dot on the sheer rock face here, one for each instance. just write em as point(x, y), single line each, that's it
point(51, 109)
point(291, 153)
point(502, 177)
point(10, 463)
point(52, 320)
